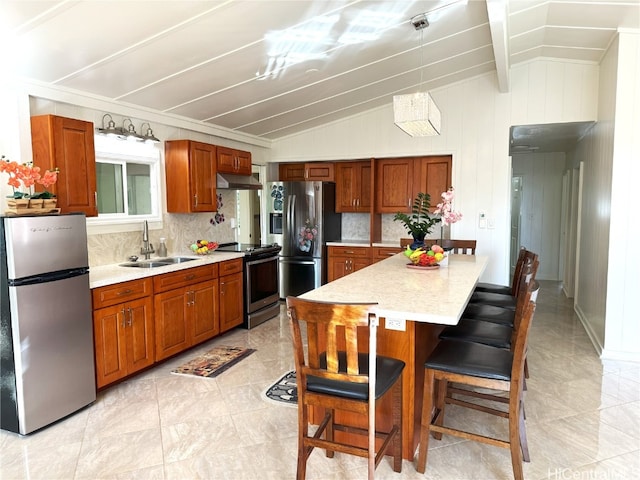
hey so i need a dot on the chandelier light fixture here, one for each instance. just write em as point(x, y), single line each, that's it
point(416, 113)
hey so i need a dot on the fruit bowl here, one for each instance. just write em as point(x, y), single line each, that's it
point(425, 257)
point(203, 247)
point(423, 267)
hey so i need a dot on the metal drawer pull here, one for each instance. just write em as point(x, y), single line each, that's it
point(128, 291)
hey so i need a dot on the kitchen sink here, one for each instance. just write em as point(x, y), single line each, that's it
point(160, 262)
point(171, 260)
point(145, 264)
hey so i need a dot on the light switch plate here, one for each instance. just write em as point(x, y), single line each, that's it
point(482, 220)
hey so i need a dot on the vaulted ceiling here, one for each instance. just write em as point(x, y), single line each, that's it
point(272, 68)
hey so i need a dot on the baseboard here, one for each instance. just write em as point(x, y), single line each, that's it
point(620, 356)
point(590, 333)
point(605, 354)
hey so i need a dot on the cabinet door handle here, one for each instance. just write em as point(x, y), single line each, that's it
point(95, 198)
point(124, 318)
point(409, 202)
point(130, 317)
point(195, 199)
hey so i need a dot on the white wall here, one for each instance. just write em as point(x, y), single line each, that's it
point(476, 121)
point(608, 261)
point(622, 328)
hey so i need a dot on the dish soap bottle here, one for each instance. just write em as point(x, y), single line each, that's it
point(162, 249)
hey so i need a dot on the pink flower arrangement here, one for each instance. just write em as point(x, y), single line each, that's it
point(25, 175)
point(445, 208)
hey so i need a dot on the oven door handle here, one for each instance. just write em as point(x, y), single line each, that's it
point(262, 260)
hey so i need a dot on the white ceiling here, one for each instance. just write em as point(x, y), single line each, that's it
point(272, 68)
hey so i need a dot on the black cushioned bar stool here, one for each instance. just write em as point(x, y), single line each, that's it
point(472, 366)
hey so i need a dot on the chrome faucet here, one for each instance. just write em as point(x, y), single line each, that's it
point(147, 248)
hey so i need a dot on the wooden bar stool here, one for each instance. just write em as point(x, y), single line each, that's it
point(337, 377)
point(472, 366)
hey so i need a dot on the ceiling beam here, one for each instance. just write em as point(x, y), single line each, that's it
point(497, 12)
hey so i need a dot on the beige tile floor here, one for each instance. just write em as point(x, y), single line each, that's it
point(583, 420)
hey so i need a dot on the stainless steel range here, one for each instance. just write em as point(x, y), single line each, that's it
point(261, 292)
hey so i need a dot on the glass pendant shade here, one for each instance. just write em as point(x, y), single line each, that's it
point(416, 114)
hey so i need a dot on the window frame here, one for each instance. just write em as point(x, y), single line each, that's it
point(115, 151)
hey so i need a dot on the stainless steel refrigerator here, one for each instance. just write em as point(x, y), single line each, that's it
point(46, 326)
point(302, 218)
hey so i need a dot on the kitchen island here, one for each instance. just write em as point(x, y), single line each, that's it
point(414, 306)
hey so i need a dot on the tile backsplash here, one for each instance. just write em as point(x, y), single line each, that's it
point(355, 226)
point(180, 230)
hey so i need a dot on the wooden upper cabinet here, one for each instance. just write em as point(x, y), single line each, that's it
point(310, 171)
point(435, 177)
point(233, 161)
point(395, 180)
point(353, 186)
point(67, 144)
point(191, 176)
point(399, 180)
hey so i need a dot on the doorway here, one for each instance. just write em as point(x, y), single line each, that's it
point(249, 207)
point(516, 202)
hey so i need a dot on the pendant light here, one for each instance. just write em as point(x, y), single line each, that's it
point(416, 113)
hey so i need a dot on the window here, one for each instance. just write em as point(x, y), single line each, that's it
point(127, 177)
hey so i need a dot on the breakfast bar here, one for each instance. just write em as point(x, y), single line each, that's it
point(413, 306)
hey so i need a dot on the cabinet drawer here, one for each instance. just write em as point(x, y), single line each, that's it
point(168, 281)
point(380, 253)
point(350, 251)
point(230, 266)
point(121, 292)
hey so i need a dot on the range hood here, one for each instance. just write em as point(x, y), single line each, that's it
point(228, 181)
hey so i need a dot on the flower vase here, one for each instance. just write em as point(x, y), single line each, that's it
point(50, 203)
point(18, 206)
point(36, 204)
point(418, 241)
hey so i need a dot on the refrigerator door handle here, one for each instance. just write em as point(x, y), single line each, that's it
point(291, 205)
point(299, 262)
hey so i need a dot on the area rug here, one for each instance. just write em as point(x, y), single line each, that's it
point(284, 391)
point(214, 362)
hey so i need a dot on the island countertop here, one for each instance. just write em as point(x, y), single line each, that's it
point(432, 296)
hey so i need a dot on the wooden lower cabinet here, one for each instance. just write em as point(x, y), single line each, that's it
point(123, 332)
point(342, 261)
point(135, 328)
point(231, 311)
point(382, 253)
point(185, 316)
point(205, 311)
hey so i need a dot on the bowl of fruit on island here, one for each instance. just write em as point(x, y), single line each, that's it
point(425, 257)
point(203, 247)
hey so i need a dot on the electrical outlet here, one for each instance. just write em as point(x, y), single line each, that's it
point(399, 324)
